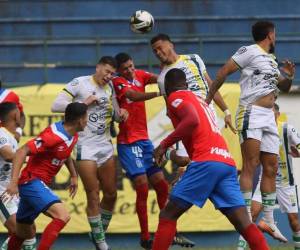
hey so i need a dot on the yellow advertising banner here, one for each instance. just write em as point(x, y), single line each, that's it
point(37, 101)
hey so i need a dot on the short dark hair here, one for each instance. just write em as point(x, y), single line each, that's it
point(122, 58)
point(261, 29)
point(108, 60)
point(75, 111)
point(160, 37)
point(276, 107)
point(5, 109)
point(175, 79)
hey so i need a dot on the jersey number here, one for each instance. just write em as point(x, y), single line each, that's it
point(137, 151)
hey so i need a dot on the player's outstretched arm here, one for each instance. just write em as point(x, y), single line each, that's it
point(136, 96)
point(61, 102)
point(229, 68)
point(286, 78)
point(74, 178)
point(7, 153)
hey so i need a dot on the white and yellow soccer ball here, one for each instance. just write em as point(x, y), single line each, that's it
point(141, 22)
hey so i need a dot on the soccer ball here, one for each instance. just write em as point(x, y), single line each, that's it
point(141, 22)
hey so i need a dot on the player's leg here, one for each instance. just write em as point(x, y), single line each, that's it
point(131, 159)
point(60, 217)
point(107, 176)
point(23, 231)
point(87, 171)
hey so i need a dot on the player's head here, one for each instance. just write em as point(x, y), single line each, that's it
point(175, 80)
point(276, 111)
point(76, 115)
point(125, 66)
point(264, 30)
point(9, 114)
point(163, 48)
point(105, 69)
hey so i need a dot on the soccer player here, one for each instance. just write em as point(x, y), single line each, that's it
point(95, 160)
point(7, 95)
point(135, 150)
point(286, 193)
point(9, 122)
point(260, 79)
point(211, 174)
point(47, 153)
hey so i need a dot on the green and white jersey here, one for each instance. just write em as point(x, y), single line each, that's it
point(6, 139)
point(100, 114)
point(288, 136)
point(259, 73)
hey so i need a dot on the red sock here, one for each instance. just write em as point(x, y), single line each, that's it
point(141, 209)
point(51, 233)
point(164, 235)
point(255, 238)
point(162, 191)
point(15, 242)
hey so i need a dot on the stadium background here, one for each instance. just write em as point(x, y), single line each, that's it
point(54, 41)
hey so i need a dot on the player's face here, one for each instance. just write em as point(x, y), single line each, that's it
point(17, 117)
point(163, 50)
point(272, 38)
point(127, 70)
point(104, 73)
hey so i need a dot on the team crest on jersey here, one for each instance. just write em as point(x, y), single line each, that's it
point(242, 50)
point(3, 140)
point(38, 142)
point(74, 82)
point(176, 103)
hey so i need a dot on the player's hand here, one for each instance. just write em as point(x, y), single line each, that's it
point(11, 191)
point(123, 113)
point(288, 68)
point(159, 155)
point(92, 99)
point(228, 123)
point(294, 151)
point(73, 186)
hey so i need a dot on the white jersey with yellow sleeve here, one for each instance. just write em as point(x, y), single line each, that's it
point(194, 69)
point(6, 139)
point(288, 137)
point(99, 114)
point(259, 73)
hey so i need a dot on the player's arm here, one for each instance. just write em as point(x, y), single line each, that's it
point(188, 121)
point(73, 175)
point(136, 96)
point(286, 78)
point(7, 153)
point(180, 161)
point(229, 68)
point(221, 104)
point(61, 102)
point(152, 79)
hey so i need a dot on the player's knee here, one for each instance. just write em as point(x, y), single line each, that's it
point(64, 217)
point(110, 196)
point(249, 165)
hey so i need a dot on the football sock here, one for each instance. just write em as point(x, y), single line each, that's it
point(141, 209)
point(29, 244)
point(296, 239)
point(164, 235)
point(106, 216)
point(248, 198)
point(162, 191)
point(51, 233)
point(255, 238)
point(97, 228)
point(268, 201)
point(4, 244)
point(15, 242)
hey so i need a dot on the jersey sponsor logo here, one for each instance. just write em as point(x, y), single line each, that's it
point(176, 103)
point(242, 50)
point(220, 151)
point(74, 82)
point(3, 141)
point(38, 142)
point(5, 172)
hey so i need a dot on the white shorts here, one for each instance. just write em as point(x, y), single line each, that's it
point(180, 150)
point(8, 208)
point(92, 152)
point(258, 123)
point(286, 197)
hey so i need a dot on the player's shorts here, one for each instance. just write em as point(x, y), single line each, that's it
point(258, 123)
point(8, 208)
point(137, 158)
point(286, 198)
point(99, 153)
point(35, 198)
point(212, 180)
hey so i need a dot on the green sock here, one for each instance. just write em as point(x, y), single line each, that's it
point(97, 228)
point(248, 200)
point(106, 217)
point(268, 201)
point(4, 244)
point(296, 239)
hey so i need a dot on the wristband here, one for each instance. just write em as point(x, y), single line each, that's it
point(168, 153)
point(19, 131)
point(227, 112)
point(287, 76)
